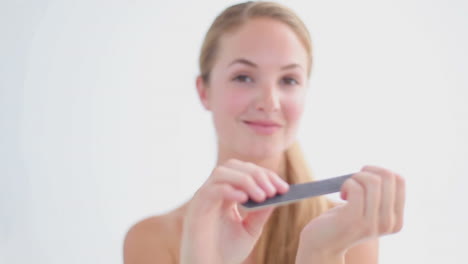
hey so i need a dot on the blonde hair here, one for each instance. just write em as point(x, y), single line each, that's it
point(280, 238)
point(235, 16)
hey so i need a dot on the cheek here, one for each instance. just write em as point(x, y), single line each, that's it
point(293, 109)
point(233, 103)
point(228, 108)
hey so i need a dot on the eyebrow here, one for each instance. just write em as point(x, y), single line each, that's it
point(251, 64)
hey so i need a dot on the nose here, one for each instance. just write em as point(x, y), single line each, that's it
point(268, 99)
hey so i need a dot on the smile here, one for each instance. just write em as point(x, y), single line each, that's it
point(263, 128)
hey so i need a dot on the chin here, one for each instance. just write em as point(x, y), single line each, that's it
point(261, 152)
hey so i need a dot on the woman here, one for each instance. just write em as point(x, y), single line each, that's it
point(255, 64)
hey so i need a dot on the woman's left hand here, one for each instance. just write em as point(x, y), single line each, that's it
point(375, 204)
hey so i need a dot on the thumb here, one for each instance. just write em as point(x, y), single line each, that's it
point(254, 221)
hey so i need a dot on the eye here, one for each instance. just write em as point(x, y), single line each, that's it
point(243, 78)
point(290, 81)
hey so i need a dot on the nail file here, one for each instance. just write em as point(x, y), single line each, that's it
point(300, 191)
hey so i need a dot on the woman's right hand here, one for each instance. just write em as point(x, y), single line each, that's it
point(215, 229)
point(375, 207)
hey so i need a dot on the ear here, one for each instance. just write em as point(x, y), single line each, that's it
point(203, 93)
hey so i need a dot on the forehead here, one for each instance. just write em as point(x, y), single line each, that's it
point(264, 41)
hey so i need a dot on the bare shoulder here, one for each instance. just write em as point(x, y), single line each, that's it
point(154, 240)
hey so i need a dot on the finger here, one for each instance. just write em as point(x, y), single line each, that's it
point(226, 192)
point(371, 183)
point(400, 193)
point(254, 221)
point(387, 202)
point(241, 181)
point(281, 185)
point(353, 192)
point(212, 196)
point(261, 175)
point(263, 180)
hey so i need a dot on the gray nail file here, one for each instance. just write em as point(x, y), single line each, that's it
point(300, 191)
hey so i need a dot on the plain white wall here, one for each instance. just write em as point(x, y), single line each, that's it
point(101, 127)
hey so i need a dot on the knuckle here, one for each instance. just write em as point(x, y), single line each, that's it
point(268, 175)
point(374, 179)
point(386, 173)
point(370, 168)
point(246, 180)
point(216, 174)
point(387, 176)
point(256, 172)
point(259, 174)
point(218, 170)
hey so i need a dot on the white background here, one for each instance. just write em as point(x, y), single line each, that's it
point(101, 127)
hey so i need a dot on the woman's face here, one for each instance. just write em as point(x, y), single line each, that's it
point(256, 90)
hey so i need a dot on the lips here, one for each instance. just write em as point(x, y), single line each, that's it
point(264, 127)
point(262, 123)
